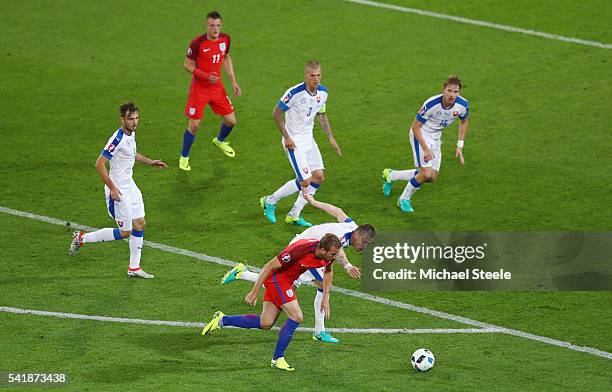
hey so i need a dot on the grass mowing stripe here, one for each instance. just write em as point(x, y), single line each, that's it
point(482, 23)
point(187, 324)
point(353, 293)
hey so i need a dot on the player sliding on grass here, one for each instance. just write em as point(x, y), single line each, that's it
point(278, 276)
point(350, 235)
point(437, 113)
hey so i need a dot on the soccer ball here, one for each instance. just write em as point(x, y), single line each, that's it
point(423, 360)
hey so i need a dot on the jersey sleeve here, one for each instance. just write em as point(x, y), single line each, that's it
point(112, 146)
point(229, 41)
point(421, 115)
point(193, 50)
point(465, 112)
point(323, 108)
point(286, 101)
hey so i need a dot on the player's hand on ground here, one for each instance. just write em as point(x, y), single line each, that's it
point(213, 78)
point(459, 154)
point(237, 90)
point(115, 194)
point(251, 298)
point(289, 143)
point(335, 145)
point(354, 272)
point(325, 307)
point(159, 163)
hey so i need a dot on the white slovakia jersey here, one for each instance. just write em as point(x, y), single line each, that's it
point(121, 153)
point(300, 109)
point(435, 117)
point(343, 230)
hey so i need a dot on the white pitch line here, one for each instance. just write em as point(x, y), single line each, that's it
point(353, 293)
point(7, 309)
point(482, 23)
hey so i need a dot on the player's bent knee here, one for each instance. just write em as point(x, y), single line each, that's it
point(125, 234)
point(265, 324)
point(305, 183)
point(298, 318)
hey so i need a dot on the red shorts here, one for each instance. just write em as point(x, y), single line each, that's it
point(279, 291)
point(199, 97)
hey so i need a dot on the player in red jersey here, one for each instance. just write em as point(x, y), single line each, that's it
point(278, 276)
point(206, 54)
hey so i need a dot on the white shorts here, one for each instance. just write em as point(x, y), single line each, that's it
point(310, 275)
point(304, 162)
point(417, 153)
point(130, 207)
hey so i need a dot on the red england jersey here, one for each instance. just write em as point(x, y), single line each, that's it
point(296, 259)
point(209, 55)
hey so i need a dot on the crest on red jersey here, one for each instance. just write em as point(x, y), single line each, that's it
point(222, 46)
point(189, 52)
point(289, 293)
point(286, 257)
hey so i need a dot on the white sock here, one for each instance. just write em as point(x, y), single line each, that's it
point(319, 315)
point(411, 187)
point(288, 189)
point(248, 275)
point(102, 235)
point(135, 249)
point(405, 175)
point(300, 203)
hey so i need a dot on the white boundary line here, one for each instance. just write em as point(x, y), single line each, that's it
point(7, 309)
point(353, 293)
point(476, 22)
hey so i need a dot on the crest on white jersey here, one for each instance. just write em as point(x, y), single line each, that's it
point(222, 46)
point(289, 293)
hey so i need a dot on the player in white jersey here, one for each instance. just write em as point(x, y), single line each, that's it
point(349, 233)
point(437, 113)
point(300, 105)
point(123, 198)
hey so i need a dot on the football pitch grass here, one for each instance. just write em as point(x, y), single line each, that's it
point(537, 158)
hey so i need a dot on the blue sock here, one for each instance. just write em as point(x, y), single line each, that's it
point(284, 337)
point(414, 182)
point(224, 132)
point(242, 321)
point(188, 139)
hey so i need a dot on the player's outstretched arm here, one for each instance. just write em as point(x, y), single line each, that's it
point(353, 271)
point(328, 277)
point(251, 297)
point(152, 162)
point(329, 208)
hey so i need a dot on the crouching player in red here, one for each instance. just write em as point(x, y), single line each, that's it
point(278, 276)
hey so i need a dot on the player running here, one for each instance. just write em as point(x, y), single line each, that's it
point(205, 56)
point(350, 235)
point(123, 198)
point(437, 113)
point(278, 276)
point(300, 105)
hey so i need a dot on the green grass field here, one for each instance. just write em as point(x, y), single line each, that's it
point(537, 158)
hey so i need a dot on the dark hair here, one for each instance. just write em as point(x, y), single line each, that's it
point(366, 232)
point(453, 79)
point(329, 241)
point(214, 15)
point(127, 108)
